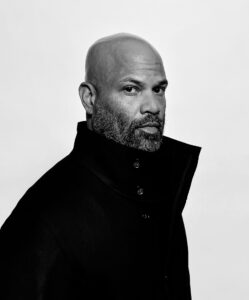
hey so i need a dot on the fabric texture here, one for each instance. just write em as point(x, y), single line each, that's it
point(104, 223)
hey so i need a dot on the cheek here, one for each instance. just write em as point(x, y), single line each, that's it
point(124, 105)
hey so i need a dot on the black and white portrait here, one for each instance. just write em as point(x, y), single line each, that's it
point(124, 151)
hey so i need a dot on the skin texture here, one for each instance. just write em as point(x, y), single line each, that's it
point(124, 91)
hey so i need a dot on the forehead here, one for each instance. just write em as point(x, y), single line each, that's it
point(139, 64)
point(134, 59)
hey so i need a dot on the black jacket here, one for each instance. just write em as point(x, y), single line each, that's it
point(103, 223)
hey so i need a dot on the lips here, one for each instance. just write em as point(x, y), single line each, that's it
point(150, 127)
point(151, 124)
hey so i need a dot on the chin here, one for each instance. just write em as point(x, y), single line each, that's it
point(149, 146)
point(148, 142)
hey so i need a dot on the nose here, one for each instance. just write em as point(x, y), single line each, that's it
point(152, 104)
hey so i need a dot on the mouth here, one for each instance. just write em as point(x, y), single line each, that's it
point(151, 124)
point(151, 127)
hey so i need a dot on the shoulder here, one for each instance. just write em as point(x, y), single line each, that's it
point(51, 196)
point(54, 208)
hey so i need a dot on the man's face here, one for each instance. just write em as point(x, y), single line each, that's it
point(130, 104)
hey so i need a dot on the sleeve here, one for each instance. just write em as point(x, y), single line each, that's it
point(32, 264)
point(178, 273)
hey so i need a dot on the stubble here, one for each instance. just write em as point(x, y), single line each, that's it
point(118, 127)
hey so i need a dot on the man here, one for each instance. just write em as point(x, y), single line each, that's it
point(105, 222)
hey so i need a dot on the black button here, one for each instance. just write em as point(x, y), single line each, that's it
point(145, 216)
point(136, 164)
point(140, 191)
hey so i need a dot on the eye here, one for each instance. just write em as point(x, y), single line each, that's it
point(159, 89)
point(130, 89)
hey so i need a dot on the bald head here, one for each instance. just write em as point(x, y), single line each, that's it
point(124, 91)
point(111, 56)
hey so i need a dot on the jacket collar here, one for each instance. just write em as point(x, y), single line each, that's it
point(140, 175)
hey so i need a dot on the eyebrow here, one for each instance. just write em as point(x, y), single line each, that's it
point(137, 82)
point(163, 82)
point(132, 80)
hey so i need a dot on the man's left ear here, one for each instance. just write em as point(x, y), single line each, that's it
point(87, 94)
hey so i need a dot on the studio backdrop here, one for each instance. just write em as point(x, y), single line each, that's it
point(204, 45)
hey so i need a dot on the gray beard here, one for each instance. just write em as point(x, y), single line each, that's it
point(118, 127)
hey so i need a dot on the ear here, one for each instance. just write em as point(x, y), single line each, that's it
point(87, 94)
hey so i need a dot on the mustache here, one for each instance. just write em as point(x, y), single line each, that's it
point(148, 119)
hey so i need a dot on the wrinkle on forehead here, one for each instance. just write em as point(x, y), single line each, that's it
point(114, 56)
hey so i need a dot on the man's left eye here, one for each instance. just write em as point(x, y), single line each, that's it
point(159, 89)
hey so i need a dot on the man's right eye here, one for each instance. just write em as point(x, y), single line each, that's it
point(130, 90)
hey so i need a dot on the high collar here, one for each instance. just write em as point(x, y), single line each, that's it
point(134, 173)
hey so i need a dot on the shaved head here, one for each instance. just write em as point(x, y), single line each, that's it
point(123, 92)
point(108, 56)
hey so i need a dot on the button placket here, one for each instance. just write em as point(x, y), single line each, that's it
point(140, 190)
point(145, 216)
point(136, 164)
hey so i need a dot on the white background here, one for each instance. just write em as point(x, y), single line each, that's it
point(204, 45)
